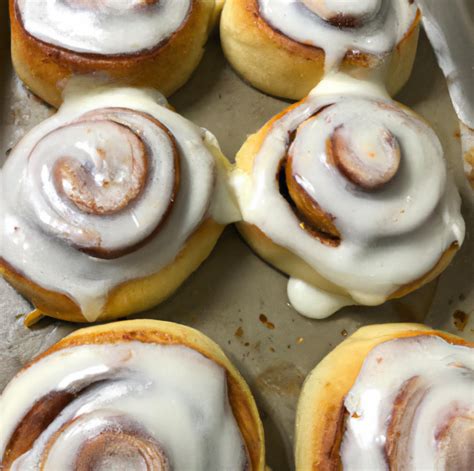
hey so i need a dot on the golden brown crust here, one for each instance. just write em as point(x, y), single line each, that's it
point(280, 66)
point(46, 68)
point(327, 385)
point(288, 262)
point(130, 297)
point(167, 333)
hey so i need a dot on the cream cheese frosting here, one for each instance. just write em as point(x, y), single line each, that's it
point(171, 394)
point(107, 27)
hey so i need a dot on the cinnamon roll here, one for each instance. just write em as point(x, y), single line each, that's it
point(131, 395)
point(393, 396)
point(109, 205)
point(152, 43)
point(348, 193)
point(284, 47)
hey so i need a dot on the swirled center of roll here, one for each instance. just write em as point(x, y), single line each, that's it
point(361, 149)
point(105, 182)
point(368, 154)
point(355, 149)
point(121, 448)
point(411, 407)
point(456, 441)
point(105, 169)
point(345, 12)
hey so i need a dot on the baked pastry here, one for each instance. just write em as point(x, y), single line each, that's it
point(150, 43)
point(217, 12)
point(348, 193)
point(284, 47)
point(393, 396)
point(131, 395)
point(110, 205)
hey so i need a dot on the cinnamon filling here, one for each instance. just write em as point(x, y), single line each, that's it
point(404, 411)
point(121, 445)
point(121, 449)
point(366, 154)
point(456, 442)
point(313, 218)
point(345, 13)
point(105, 190)
point(369, 161)
point(33, 424)
point(332, 461)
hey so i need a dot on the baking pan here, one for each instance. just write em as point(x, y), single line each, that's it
point(235, 297)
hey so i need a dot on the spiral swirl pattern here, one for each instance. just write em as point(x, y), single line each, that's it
point(362, 195)
point(338, 27)
point(100, 165)
point(362, 156)
point(411, 407)
point(126, 405)
point(110, 188)
point(107, 27)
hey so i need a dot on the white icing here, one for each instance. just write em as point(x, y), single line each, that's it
point(175, 394)
point(389, 237)
point(340, 84)
point(53, 264)
point(447, 372)
point(314, 302)
point(328, 9)
point(384, 26)
point(109, 27)
point(224, 207)
point(81, 143)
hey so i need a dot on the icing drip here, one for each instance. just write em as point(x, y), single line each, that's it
point(132, 404)
point(314, 302)
point(106, 27)
point(369, 237)
point(336, 26)
point(54, 181)
point(411, 393)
